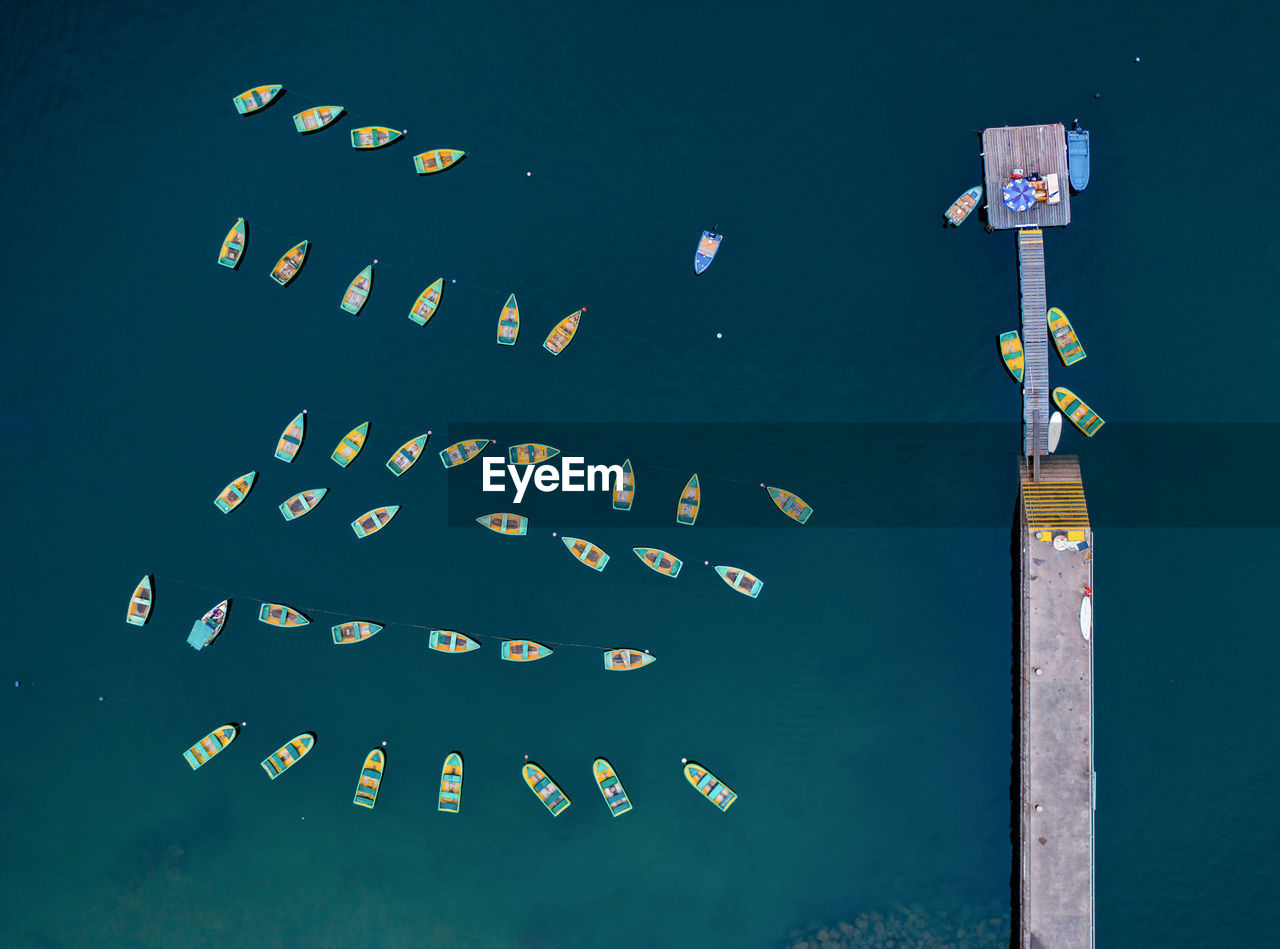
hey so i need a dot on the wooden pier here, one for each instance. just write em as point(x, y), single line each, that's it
point(1035, 342)
point(1032, 149)
point(1055, 667)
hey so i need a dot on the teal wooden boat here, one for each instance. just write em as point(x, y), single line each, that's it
point(259, 97)
point(548, 791)
point(615, 795)
point(790, 504)
point(741, 581)
point(312, 120)
point(373, 136)
point(206, 629)
point(449, 640)
point(425, 306)
point(460, 453)
point(587, 552)
point(407, 454)
point(291, 438)
point(140, 603)
point(625, 493)
point(357, 294)
point(624, 660)
point(370, 779)
point(356, 632)
point(233, 245)
point(690, 499)
point(302, 503)
point(203, 751)
point(288, 754)
point(370, 522)
point(659, 561)
point(509, 322)
point(524, 650)
point(708, 785)
point(231, 496)
point(350, 446)
point(451, 784)
point(277, 614)
point(500, 523)
point(530, 453)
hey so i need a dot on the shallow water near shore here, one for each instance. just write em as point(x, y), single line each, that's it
point(861, 707)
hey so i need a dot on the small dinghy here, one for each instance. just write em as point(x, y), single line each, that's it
point(459, 453)
point(277, 614)
point(1080, 415)
point(963, 206)
point(563, 333)
point(312, 120)
point(406, 455)
point(1011, 353)
point(373, 521)
point(140, 603)
point(259, 97)
point(790, 505)
point(615, 795)
point(373, 136)
point(438, 159)
point(709, 786)
point(1086, 615)
point(514, 524)
point(287, 755)
point(291, 438)
point(1078, 156)
point(350, 445)
point(548, 791)
point(530, 453)
point(625, 493)
point(211, 744)
point(1064, 337)
point(659, 560)
point(370, 779)
point(587, 552)
point(1055, 431)
point(449, 640)
point(524, 650)
point(624, 660)
point(233, 245)
point(690, 498)
point(231, 496)
point(425, 306)
point(206, 629)
point(451, 784)
point(302, 503)
point(287, 267)
point(356, 632)
point(509, 322)
point(741, 581)
point(357, 294)
point(708, 246)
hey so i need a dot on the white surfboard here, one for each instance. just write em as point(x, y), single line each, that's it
point(1086, 616)
point(1055, 431)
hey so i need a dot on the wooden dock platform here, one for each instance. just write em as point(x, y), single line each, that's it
point(1033, 148)
point(1035, 340)
point(1057, 783)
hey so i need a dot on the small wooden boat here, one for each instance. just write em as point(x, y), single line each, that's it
point(1086, 616)
point(448, 640)
point(211, 744)
point(524, 650)
point(438, 159)
point(1064, 337)
point(562, 334)
point(509, 322)
point(373, 136)
point(370, 779)
point(288, 754)
point(615, 795)
point(624, 660)
point(287, 267)
point(1080, 415)
point(451, 784)
point(312, 120)
point(277, 614)
point(302, 503)
point(233, 245)
point(587, 552)
point(547, 790)
point(690, 498)
point(709, 786)
point(624, 494)
point(1055, 431)
point(357, 294)
point(229, 498)
point(259, 97)
point(206, 629)
point(1011, 353)
point(460, 453)
point(140, 603)
point(963, 206)
point(406, 455)
point(708, 245)
point(291, 438)
point(789, 504)
point(350, 445)
point(425, 306)
point(356, 632)
point(505, 523)
point(530, 453)
point(373, 521)
point(659, 560)
point(741, 581)
point(1078, 156)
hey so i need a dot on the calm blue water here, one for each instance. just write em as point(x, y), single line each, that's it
point(861, 706)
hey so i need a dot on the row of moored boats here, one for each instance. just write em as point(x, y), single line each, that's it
point(1071, 352)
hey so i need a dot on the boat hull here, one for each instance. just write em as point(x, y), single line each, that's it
point(1077, 411)
point(625, 660)
point(259, 97)
point(705, 253)
point(790, 504)
point(1064, 337)
point(288, 266)
point(459, 453)
point(709, 786)
point(277, 614)
point(370, 780)
point(373, 521)
point(140, 603)
point(1078, 158)
point(741, 581)
point(659, 561)
point(230, 497)
point(206, 629)
point(625, 495)
point(514, 524)
point(530, 453)
point(212, 744)
point(452, 641)
point(291, 438)
point(611, 789)
point(304, 502)
point(288, 754)
point(428, 301)
point(356, 631)
point(1012, 355)
point(438, 159)
point(451, 784)
point(233, 245)
point(562, 334)
point(350, 446)
point(963, 206)
point(313, 120)
point(373, 136)
point(357, 294)
point(407, 455)
point(587, 552)
point(690, 499)
point(546, 790)
point(509, 322)
point(524, 650)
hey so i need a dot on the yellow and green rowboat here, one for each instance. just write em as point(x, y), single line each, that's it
point(624, 660)
point(302, 503)
point(741, 581)
point(1081, 416)
point(509, 322)
point(373, 136)
point(287, 267)
point(615, 795)
point(1064, 337)
point(277, 614)
point(373, 521)
point(407, 454)
point(459, 453)
point(425, 306)
point(690, 498)
point(625, 493)
point(229, 498)
point(514, 524)
point(211, 744)
point(587, 552)
point(312, 120)
point(709, 786)
point(451, 784)
point(357, 294)
point(140, 603)
point(355, 632)
point(547, 790)
point(562, 334)
point(233, 245)
point(449, 640)
point(287, 755)
point(438, 159)
point(350, 445)
point(659, 560)
point(530, 453)
point(291, 438)
point(370, 779)
point(1011, 353)
point(789, 504)
point(524, 650)
point(259, 97)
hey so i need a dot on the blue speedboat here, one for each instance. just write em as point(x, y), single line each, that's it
point(708, 244)
point(1078, 156)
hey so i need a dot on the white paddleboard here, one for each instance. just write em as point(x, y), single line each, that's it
point(1086, 616)
point(1055, 431)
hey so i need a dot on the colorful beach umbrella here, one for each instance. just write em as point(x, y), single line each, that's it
point(1019, 195)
